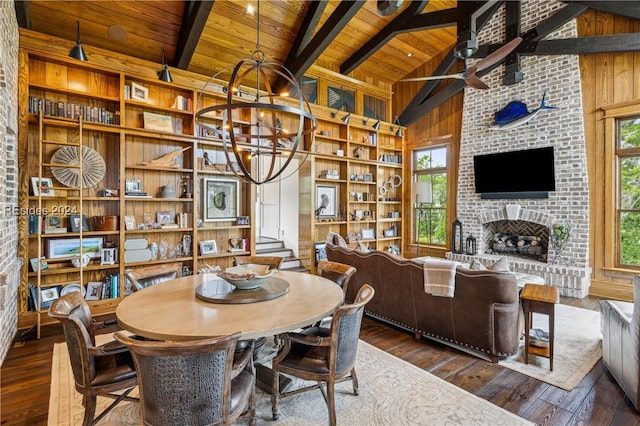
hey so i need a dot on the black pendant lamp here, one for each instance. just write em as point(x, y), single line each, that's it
point(164, 74)
point(78, 51)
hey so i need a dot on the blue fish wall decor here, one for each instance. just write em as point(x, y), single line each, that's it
point(516, 113)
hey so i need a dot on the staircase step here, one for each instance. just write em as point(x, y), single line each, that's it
point(290, 262)
point(269, 244)
point(282, 252)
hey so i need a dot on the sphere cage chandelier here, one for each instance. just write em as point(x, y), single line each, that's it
point(266, 139)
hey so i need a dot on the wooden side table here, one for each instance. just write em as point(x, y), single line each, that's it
point(539, 299)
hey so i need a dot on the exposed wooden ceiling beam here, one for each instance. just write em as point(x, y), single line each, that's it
point(534, 35)
point(627, 8)
point(304, 36)
point(584, 45)
point(396, 26)
point(194, 19)
point(22, 13)
point(325, 35)
point(513, 27)
point(412, 110)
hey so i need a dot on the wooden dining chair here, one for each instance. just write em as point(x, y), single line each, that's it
point(145, 276)
point(274, 262)
point(323, 355)
point(97, 370)
point(195, 382)
point(337, 272)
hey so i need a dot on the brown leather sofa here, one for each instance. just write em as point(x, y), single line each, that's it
point(483, 316)
point(620, 323)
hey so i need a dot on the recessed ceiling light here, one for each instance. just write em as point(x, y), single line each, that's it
point(250, 10)
point(410, 54)
point(118, 33)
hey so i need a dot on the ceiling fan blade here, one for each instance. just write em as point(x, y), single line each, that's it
point(436, 77)
point(475, 82)
point(496, 56)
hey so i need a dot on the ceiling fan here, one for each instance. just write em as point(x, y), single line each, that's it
point(469, 74)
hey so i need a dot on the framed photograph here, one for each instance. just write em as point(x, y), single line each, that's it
point(34, 264)
point(132, 185)
point(221, 198)
point(129, 223)
point(94, 290)
point(48, 295)
point(164, 217)
point(139, 92)
point(321, 251)
point(368, 234)
point(391, 232)
point(76, 221)
point(208, 247)
point(326, 201)
point(70, 247)
point(158, 122)
point(42, 187)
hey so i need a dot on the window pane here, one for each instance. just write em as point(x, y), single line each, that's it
point(630, 239)
point(431, 223)
point(431, 158)
point(341, 99)
point(629, 130)
point(375, 108)
point(630, 183)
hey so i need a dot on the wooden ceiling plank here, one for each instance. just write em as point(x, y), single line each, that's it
point(398, 24)
point(341, 16)
point(194, 20)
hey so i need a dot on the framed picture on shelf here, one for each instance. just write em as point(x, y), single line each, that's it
point(164, 217)
point(76, 221)
point(48, 295)
point(42, 187)
point(321, 251)
point(94, 290)
point(129, 223)
point(221, 199)
point(158, 122)
point(70, 247)
point(139, 92)
point(368, 234)
point(326, 201)
point(208, 247)
point(132, 185)
point(34, 264)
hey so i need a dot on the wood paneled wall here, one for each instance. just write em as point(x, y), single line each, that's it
point(440, 126)
point(607, 79)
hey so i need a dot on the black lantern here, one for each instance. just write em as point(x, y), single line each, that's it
point(456, 237)
point(471, 245)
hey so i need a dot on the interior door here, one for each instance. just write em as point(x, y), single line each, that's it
point(269, 196)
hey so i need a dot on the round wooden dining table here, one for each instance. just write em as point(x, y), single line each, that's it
point(171, 311)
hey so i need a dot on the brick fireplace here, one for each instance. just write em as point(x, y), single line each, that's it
point(563, 128)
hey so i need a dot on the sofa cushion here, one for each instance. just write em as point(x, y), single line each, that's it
point(476, 265)
point(501, 265)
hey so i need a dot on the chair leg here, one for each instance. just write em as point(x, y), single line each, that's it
point(275, 393)
point(331, 402)
point(89, 402)
point(354, 380)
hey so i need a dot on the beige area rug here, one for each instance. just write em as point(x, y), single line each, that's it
point(392, 392)
point(578, 347)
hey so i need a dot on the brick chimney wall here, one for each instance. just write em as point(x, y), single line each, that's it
point(9, 262)
point(562, 128)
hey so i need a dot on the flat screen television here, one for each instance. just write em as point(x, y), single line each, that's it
point(528, 173)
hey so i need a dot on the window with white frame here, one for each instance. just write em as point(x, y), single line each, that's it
point(430, 178)
point(628, 191)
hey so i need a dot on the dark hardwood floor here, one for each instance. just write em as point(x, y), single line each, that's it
point(597, 400)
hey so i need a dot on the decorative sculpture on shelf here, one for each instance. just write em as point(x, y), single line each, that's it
point(167, 160)
point(559, 237)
